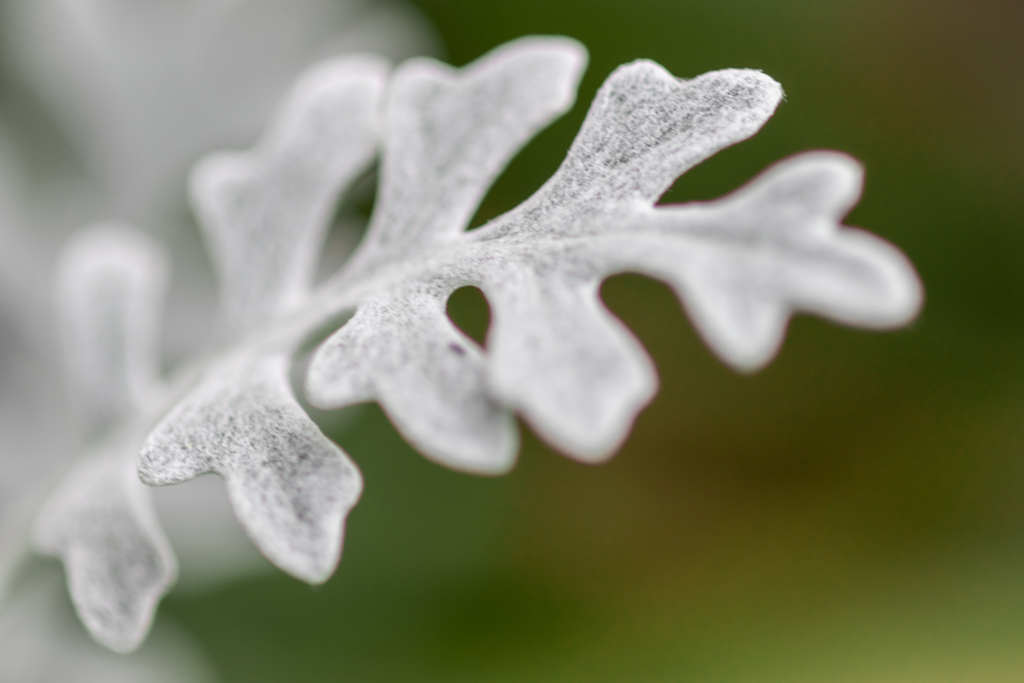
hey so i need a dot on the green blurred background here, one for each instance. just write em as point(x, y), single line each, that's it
point(853, 513)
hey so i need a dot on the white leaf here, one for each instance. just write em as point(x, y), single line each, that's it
point(744, 264)
point(141, 90)
point(558, 355)
point(290, 486)
point(429, 377)
point(450, 132)
point(554, 353)
point(101, 524)
point(644, 129)
point(110, 289)
point(265, 213)
point(741, 265)
point(100, 520)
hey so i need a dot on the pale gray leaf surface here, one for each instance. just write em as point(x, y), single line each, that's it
point(744, 264)
point(404, 352)
point(753, 258)
point(143, 89)
point(265, 212)
point(554, 352)
point(558, 355)
point(110, 287)
point(450, 132)
point(741, 266)
point(100, 523)
point(290, 486)
point(644, 129)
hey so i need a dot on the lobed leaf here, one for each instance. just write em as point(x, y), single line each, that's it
point(450, 132)
point(448, 135)
point(100, 520)
point(744, 264)
point(403, 351)
point(265, 213)
point(741, 266)
point(100, 523)
point(290, 486)
point(554, 352)
point(560, 357)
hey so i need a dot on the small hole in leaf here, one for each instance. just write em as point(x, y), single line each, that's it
point(468, 310)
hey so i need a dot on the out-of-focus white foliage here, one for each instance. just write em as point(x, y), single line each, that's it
point(145, 88)
point(141, 90)
point(554, 355)
point(266, 213)
point(100, 520)
point(110, 291)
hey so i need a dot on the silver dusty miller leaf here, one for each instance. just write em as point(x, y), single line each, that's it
point(100, 519)
point(266, 215)
point(554, 354)
point(140, 90)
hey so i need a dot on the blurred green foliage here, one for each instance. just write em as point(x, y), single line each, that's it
point(854, 513)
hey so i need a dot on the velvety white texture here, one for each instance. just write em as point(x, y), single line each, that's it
point(100, 519)
point(744, 264)
point(404, 352)
point(290, 486)
point(554, 354)
point(448, 134)
point(265, 213)
point(100, 523)
point(139, 91)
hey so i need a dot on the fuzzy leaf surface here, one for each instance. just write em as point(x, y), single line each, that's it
point(265, 213)
point(289, 485)
point(740, 265)
point(100, 520)
point(100, 523)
